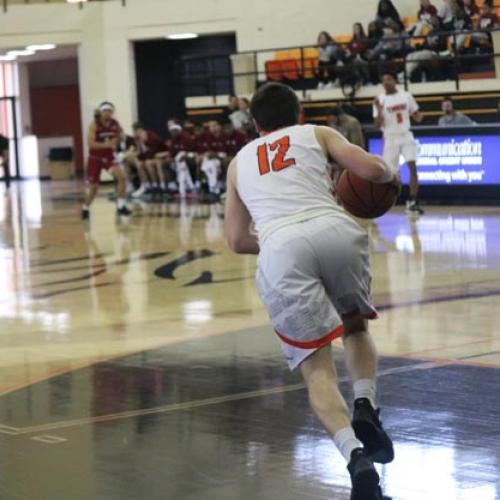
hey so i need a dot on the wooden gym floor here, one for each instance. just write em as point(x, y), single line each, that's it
point(137, 362)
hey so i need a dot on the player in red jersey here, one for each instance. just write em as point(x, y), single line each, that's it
point(147, 144)
point(213, 150)
point(234, 140)
point(179, 143)
point(103, 138)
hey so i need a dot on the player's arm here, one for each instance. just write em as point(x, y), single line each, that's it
point(237, 219)
point(415, 113)
point(350, 157)
point(378, 113)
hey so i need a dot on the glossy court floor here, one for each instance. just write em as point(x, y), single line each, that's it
point(136, 360)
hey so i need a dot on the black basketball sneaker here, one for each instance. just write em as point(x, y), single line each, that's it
point(368, 429)
point(364, 478)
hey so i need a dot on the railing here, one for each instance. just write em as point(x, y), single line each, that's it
point(7, 3)
point(477, 56)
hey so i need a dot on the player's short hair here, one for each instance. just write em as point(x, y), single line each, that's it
point(448, 98)
point(275, 106)
point(391, 74)
point(137, 126)
point(335, 111)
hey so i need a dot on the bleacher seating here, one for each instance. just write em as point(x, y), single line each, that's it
point(293, 64)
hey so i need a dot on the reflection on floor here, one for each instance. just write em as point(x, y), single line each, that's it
point(137, 362)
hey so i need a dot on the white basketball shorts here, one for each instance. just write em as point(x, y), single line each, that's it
point(397, 145)
point(310, 275)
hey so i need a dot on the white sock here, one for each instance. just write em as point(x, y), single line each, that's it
point(346, 442)
point(121, 203)
point(365, 388)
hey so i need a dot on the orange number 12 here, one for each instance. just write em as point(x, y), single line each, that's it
point(279, 161)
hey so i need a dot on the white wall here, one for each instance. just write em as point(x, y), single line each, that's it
point(105, 31)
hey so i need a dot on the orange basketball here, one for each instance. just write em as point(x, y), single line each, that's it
point(363, 198)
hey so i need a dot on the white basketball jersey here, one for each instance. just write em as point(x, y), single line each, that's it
point(284, 177)
point(396, 111)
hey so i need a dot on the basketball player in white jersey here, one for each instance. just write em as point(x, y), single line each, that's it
point(313, 267)
point(393, 111)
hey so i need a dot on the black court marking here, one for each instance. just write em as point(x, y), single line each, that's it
point(72, 280)
point(474, 356)
point(42, 263)
point(207, 278)
point(122, 262)
point(167, 271)
point(55, 293)
point(436, 300)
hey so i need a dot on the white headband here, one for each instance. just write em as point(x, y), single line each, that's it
point(175, 127)
point(106, 107)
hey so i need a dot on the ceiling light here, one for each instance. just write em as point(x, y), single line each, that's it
point(7, 58)
point(182, 36)
point(43, 46)
point(24, 52)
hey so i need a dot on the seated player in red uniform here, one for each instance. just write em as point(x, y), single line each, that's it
point(234, 140)
point(177, 148)
point(147, 144)
point(212, 148)
point(103, 139)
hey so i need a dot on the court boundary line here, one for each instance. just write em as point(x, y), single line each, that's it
point(207, 402)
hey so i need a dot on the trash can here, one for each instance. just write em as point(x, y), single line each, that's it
point(61, 163)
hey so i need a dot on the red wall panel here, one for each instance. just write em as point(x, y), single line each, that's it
point(56, 112)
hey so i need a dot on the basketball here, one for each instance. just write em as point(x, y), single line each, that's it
point(363, 198)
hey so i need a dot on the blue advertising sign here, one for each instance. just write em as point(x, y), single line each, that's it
point(454, 159)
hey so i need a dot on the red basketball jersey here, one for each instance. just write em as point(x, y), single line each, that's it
point(104, 133)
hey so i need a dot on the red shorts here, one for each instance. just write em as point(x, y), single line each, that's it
point(95, 166)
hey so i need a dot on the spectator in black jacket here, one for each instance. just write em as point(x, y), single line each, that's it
point(460, 22)
point(387, 12)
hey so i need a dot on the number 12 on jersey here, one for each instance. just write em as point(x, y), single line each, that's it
point(279, 161)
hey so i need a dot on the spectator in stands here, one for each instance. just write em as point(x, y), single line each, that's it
point(445, 13)
point(241, 118)
point(471, 8)
point(498, 112)
point(386, 12)
point(330, 55)
point(356, 50)
point(451, 117)
point(347, 125)
point(460, 22)
point(427, 53)
point(232, 106)
point(4, 159)
point(391, 46)
point(488, 21)
point(375, 33)
point(424, 15)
